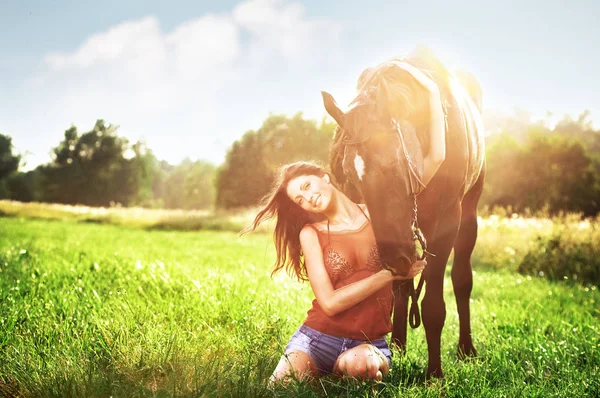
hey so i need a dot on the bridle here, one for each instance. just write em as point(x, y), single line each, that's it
point(414, 317)
point(416, 186)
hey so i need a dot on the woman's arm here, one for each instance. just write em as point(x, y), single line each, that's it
point(335, 301)
point(437, 131)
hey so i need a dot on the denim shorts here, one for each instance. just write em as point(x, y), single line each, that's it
point(325, 349)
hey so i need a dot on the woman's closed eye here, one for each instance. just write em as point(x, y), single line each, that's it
point(303, 187)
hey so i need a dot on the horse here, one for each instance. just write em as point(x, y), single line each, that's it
point(377, 158)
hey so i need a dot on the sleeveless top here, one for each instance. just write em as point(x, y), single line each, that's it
point(350, 256)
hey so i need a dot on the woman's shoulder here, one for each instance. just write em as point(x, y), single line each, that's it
point(317, 226)
point(309, 235)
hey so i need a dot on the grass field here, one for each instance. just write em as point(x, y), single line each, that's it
point(137, 217)
point(92, 310)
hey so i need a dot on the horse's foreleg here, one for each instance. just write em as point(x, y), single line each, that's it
point(433, 305)
point(400, 313)
point(462, 273)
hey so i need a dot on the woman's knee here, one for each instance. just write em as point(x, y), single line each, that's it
point(295, 364)
point(362, 368)
point(367, 369)
point(362, 362)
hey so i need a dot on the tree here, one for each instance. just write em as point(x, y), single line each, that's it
point(251, 162)
point(99, 168)
point(190, 185)
point(502, 183)
point(90, 168)
point(139, 169)
point(24, 187)
point(8, 161)
point(245, 177)
point(580, 129)
point(556, 173)
point(541, 168)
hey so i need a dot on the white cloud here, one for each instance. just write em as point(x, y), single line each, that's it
point(172, 83)
point(130, 38)
point(203, 50)
point(276, 25)
point(137, 56)
point(204, 45)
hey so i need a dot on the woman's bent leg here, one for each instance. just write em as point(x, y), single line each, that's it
point(364, 361)
point(296, 364)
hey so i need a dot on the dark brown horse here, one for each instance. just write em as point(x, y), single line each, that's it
point(377, 157)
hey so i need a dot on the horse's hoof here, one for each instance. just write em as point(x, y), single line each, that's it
point(466, 352)
point(436, 373)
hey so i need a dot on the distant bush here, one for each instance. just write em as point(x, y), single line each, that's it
point(572, 252)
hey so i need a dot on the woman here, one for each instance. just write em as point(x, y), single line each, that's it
point(325, 238)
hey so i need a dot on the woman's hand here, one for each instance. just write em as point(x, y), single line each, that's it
point(415, 269)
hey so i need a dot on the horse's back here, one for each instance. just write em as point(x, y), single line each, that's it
point(465, 145)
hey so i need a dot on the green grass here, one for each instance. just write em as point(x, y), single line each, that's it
point(93, 310)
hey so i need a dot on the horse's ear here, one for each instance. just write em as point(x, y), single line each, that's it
point(332, 108)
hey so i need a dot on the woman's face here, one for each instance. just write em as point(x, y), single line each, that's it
point(311, 192)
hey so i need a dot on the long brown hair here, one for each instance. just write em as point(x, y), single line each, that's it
point(291, 218)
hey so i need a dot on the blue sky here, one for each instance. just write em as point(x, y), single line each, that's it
point(190, 77)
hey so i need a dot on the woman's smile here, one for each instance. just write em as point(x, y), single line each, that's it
point(317, 201)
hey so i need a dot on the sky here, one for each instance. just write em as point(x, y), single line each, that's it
point(190, 77)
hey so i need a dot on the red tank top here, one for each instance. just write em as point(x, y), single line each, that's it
point(350, 256)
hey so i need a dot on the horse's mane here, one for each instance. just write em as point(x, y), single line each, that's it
point(391, 88)
point(389, 92)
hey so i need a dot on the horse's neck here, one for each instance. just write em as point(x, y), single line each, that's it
point(417, 137)
point(461, 125)
point(415, 133)
point(415, 147)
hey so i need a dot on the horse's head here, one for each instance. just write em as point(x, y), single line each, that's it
point(369, 153)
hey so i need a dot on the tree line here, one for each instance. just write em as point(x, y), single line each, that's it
point(100, 168)
point(530, 166)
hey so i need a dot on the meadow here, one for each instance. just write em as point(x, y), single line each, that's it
point(93, 308)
